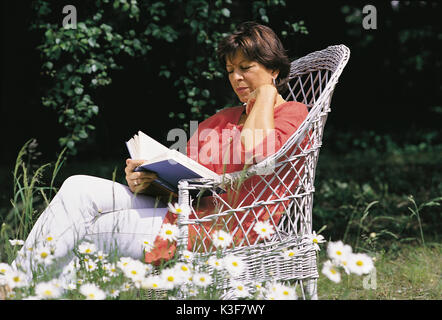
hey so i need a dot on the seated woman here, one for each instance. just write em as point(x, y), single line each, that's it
point(108, 214)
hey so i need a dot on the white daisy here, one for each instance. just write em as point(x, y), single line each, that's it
point(47, 290)
point(16, 279)
point(338, 251)
point(87, 248)
point(240, 289)
point(147, 245)
point(331, 272)
point(289, 253)
point(177, 209)
point(170, 278)
point(360, 263)
point(316, 239)
point(43, 255)
point(152, 282)
point(169, 232)
point(233, 264)
point(264, 229)
point(16, 242)
point(221, 239)
point(100, 256)
point(278, 291)
point(90, 265)
point(114, 293)
point(183, 270)
point(187, 255)
point(202, 279)
point(134, 270)
point(215, 262)
point(92, 292)
point(4, 268)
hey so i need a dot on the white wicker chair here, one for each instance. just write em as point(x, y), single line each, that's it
point(312, 81)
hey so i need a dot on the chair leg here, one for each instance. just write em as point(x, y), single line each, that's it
point(312, 288)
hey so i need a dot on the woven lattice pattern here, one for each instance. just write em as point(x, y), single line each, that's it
point(280, 188)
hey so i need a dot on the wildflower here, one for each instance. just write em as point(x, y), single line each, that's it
point(329, 270)
point(101, 256)
point(216, 263)
point(16, 242)
point(360, 263)
point(4, 268)
point(169, 232)
point(278, 291)
point(152, 282)
point(134, 270)
point(16, 279)
point(123, 262)
point(87, 248)
point(114, 293)
point(289, 253)
point(221, 239)
point(111, 269)
point(233, 264)
point(49, 240)
point(170, 278)
point(92, 292)
point(264, 229)
point(202, 279)
point(90, 265)
point(47, 290)
point(147, 245)
point(240, 290)
point(338, 251)
point(316, 239)
point(177, 209)
point(183, 270)
point(187, 255)
point(43, 255)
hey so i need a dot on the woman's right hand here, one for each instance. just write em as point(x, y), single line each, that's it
point(138, 181)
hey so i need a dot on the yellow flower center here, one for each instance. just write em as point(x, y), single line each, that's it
point(264, 230)
point(91, 295)
point(88, 250)
point(291, 254)
point(359, 263)
point(202, 279)
point(44, 255)
point(154, 285)
point(179, 210)
point(240, 287)
point(16, 279)
point(235, 264)
point(134, 272)
point(315, 240)
point(184, 268)
point(333, 271)
point(338, 252)
point(49, 238)
point(170, 278)
point(285, 292)
point(168, 232)
point(221, 238)
point(48, 293)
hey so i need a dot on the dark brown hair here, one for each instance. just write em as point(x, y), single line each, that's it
point(258, 43)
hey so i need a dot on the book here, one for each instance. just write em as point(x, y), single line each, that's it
point(170, 165)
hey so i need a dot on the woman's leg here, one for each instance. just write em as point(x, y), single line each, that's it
point(93, 209)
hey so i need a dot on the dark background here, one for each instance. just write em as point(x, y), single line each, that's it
point(381, 90)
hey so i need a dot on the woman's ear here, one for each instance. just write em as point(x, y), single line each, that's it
point(275, 74)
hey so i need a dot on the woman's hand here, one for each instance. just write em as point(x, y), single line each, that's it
point(138, 181)
point(265, 92)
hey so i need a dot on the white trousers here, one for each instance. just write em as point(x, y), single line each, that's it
point(96, 210)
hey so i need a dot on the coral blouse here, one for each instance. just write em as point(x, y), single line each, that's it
point(216, 144)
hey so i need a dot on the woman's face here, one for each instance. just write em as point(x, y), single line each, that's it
point(246, 75)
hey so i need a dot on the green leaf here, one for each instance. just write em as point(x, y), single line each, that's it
point(225, 12)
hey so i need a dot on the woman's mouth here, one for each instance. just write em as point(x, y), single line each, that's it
point(241, 89)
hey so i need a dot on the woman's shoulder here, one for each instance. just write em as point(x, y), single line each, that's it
point(291, 107)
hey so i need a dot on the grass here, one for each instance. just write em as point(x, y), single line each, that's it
point(410, 273)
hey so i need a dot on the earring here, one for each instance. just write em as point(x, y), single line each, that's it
point(274, 81)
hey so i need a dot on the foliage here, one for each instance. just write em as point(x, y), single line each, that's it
point(80, 59)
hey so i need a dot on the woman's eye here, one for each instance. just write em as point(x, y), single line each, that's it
point(245, 67)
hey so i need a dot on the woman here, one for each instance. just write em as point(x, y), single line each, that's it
point(109, 215)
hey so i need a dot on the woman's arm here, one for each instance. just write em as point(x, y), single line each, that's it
point(260, 120)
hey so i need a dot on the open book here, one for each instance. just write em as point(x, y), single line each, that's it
point(170, 165)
